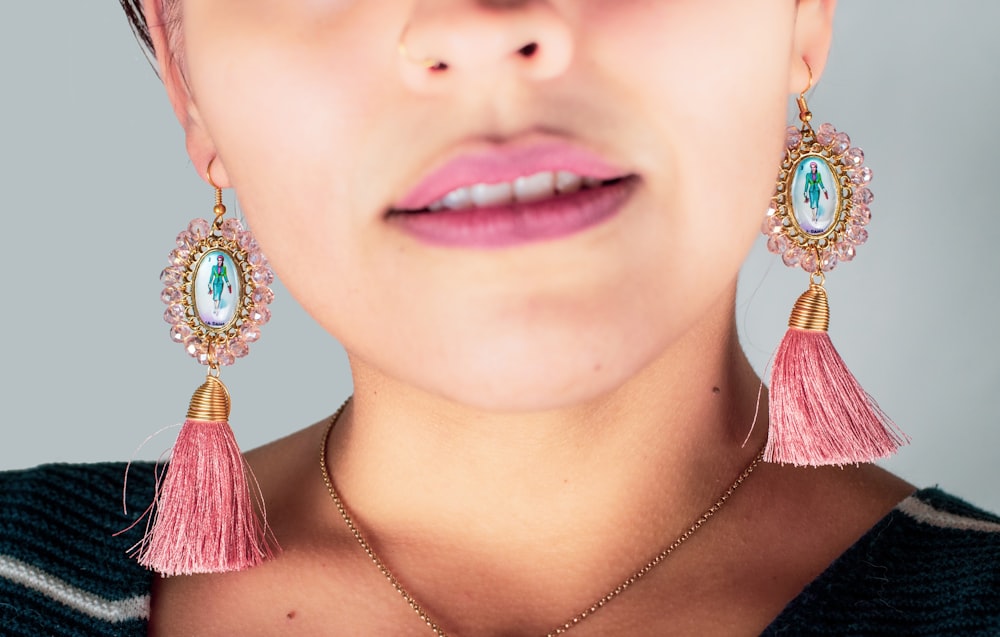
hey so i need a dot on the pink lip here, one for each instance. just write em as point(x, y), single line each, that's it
point(518, 223)
point(505, 163)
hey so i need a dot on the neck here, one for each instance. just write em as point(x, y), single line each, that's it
point(419, 470)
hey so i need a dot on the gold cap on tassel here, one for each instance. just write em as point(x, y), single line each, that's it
point(211, 402)
point(811, 311)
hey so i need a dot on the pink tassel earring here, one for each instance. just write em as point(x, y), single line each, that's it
point(217, 291)
point(819, 414)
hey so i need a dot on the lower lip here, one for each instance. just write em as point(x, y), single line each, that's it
point(518, 223)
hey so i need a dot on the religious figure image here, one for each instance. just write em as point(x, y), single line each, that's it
point(815, 210)
point(215, 298)
point(814, 183)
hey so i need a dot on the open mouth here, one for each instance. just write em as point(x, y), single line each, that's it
point(523, 190)
point(544, 205)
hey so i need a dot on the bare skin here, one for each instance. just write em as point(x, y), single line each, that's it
point(523, 550)
point(530, 424)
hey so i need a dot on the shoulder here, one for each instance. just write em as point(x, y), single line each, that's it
point(63, 569)
point(931, 566)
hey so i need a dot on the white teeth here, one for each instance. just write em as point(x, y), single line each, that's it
point(457, 199)
point(568, 182)
point(534, 187)
point(484, 195)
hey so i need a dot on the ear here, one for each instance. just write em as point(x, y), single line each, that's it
point(164, 24)
point(813, 33)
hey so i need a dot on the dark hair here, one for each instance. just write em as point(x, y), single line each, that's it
point(136, 18)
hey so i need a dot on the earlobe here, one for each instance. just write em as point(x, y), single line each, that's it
point(813, 34)
point(164, 30)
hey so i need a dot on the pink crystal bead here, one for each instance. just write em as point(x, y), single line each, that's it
point(224, 357)
point(249, 332)
point(246, 241)
point(199, 228)
point(828, 261)
point(238, 348)
point(260, 314)
point(175, 313)
point(201, 355)
point(808, 261)
point(194, 346)
point(772, 225)
point(262, 296)
point(256, 258)
point(825, 134)
point(186, 240)
point(846, 251)
point(855, 157)
point(864, 196)
point(861, 176)
point(171, 295)
point(231, 228)
point(777, 244)
point(791, 256)
point(263, 276)
point(861, 215)
point(179, 256)
point(172, 276)
point(793, 137)
point(856, 235)
point(180, 333)
point(841, 143)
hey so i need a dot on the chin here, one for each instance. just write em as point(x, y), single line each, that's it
point(502, 381)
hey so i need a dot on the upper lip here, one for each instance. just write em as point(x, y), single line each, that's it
point(493, 163)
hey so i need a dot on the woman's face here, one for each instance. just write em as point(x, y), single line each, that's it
point(323, 127)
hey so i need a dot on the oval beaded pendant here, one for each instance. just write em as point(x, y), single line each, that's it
point(216, 288)
point(205, 518)
point(821, 202)
point(818, 412)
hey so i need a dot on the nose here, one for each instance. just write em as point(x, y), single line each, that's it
point(449, 41)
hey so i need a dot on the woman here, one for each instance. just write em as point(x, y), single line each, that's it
point(541, 402)
point(217, 280)
point(814, 184)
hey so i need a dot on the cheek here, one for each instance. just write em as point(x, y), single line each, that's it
point(711, 92)
point(295, 113)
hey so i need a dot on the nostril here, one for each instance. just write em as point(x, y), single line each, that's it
point(528, 50)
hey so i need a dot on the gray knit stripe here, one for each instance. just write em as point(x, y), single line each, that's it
point(923, 512)
point(111, 611)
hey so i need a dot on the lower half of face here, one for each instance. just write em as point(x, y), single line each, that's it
point(328, 135)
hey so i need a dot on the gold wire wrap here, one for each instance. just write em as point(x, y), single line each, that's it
point(811, 311)
point(210, 402)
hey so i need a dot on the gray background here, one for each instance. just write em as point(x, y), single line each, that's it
point(96, 184)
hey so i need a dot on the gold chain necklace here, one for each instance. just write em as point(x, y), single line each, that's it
point(576, 619)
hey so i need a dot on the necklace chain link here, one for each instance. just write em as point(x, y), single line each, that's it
point(573, 621)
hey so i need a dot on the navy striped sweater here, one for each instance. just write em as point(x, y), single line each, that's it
point(930, 567)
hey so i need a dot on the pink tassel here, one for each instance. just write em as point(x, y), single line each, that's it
point(205, 520)
point(819, 413)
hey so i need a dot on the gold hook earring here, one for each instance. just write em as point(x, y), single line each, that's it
point(819, 414)
point(217, 289)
